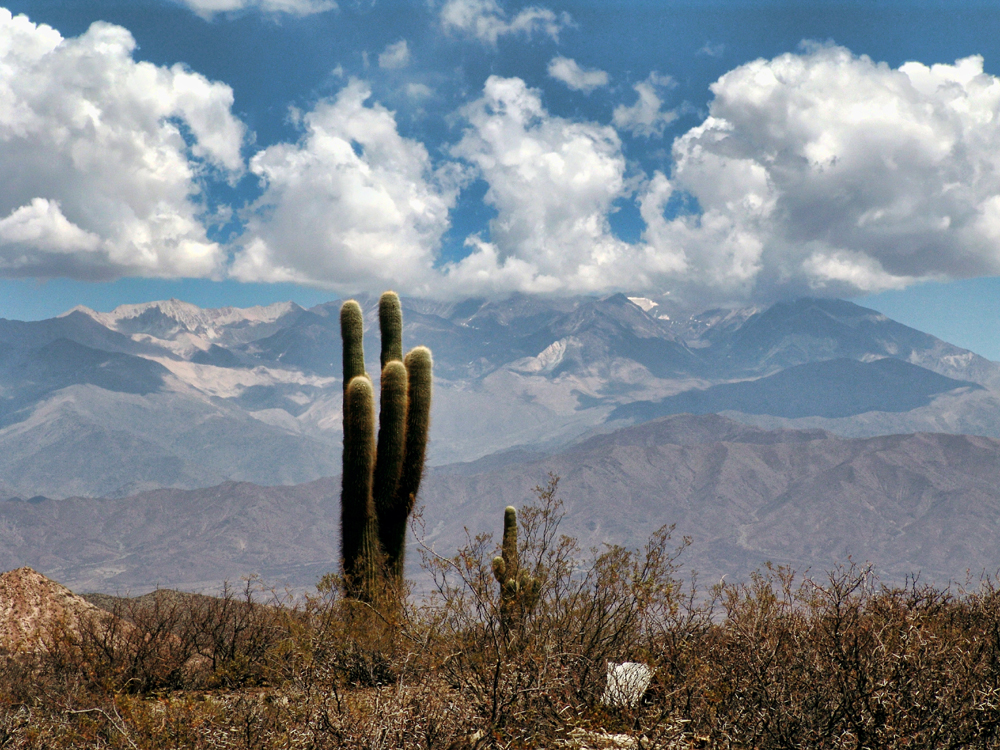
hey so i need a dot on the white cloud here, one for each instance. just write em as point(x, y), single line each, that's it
point(418, 91)
point(487, 21)
point(820, 172)
point(355, 205)
point(99, 179)
point(645, 117)
point(208, 8)
point(828, 173)
point(42, 226)
point(395, 56)
point(352, 205)
point(553, 183)
point(579, 79)
point(817, 172)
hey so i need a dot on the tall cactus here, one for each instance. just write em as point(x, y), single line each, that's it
point(377, 497)
point(518, 590)
point(357, 513)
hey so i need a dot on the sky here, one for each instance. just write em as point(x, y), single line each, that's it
point(717, 153)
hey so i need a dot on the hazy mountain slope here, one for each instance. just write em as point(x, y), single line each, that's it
point(831, 388)
point(969, 412)
point(195, 538)
point(28, 375)
point(174, 395)
point(924, 502)
point(907, 503)
point(809, 330)
point(88, 440)
point(73, 326)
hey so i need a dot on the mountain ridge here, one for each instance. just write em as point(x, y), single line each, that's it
point(925, 502)
point(534, 373)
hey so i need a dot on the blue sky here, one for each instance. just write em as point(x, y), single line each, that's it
point(717, 153)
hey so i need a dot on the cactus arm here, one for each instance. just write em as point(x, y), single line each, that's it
point(420, 372)
point(509, 549)
point(393, 516)
point(499, 569)
point(390, 321)
point(389, 455)
point(359, 543)
point(352, 332)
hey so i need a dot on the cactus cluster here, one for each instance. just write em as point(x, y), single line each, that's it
point(518, 590)
point(381, 478)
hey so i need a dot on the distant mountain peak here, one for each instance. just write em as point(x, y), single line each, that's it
point(195, 327)
point(188, 315)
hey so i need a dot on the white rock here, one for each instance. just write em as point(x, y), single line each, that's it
point(627, 683)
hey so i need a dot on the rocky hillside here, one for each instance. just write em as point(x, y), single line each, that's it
point(34, 610)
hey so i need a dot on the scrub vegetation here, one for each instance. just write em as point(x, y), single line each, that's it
point(782, 661)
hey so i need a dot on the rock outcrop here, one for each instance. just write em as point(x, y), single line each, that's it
point(34, 610)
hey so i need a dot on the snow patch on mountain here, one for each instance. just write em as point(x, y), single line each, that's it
point(644, 302)
point(190, 316)
point(227, 382)
point(183, 345)
point(183, 328)
point(546, 360)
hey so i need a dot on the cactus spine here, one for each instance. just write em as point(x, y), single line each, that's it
point(378, 496)
point(518, 590)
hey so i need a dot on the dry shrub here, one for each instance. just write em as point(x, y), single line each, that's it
point(780, 661)
point(844, 662)
point(534, 676)
point(169, 640)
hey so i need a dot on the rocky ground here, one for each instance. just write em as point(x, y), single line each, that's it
point(34, 610)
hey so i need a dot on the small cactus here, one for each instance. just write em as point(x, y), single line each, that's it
point(380, 480)
point(518, 590)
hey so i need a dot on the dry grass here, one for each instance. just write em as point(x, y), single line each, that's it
point(780, 662)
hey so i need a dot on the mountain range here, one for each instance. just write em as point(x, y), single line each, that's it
point(166, 394)
point(164, 444)
point(920, 503)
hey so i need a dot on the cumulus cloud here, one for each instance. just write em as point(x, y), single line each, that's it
point(42, 225)
point(579, 79)
point(102, 156)
point(352, 205)
point(553, 183)
point(395, 56)
point(819, 172)
point(208, 8)
point(645, 117)
point(829, 173)
point(486, 21)
point(355, 205)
